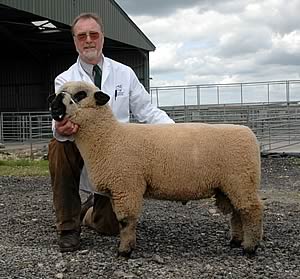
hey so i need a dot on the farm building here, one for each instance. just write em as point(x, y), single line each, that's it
point(37, 45)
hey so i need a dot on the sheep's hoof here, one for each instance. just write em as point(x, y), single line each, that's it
point(235, 243)
point(250, 252)
point(124, 254)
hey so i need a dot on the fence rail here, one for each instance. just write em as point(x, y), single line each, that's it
point(25, 127)
point(231, 93)
point(275, 123)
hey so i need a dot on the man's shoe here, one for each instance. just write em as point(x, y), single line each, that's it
point(69, 241)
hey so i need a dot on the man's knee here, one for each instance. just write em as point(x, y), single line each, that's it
point(64, 158)
point(101, 217)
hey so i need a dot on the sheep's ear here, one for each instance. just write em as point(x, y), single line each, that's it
point(101, 98)
point(51, 98)
point(79, 96)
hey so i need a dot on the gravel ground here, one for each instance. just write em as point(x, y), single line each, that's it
point(173, 240)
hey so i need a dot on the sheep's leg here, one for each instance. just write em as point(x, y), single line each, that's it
point(237, 232)
point(249, 209)
point(224, 205)
point(252, 220)
point(127, 236)
point(127, 209)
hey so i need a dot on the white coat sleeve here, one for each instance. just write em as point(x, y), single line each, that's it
point(59, 81)
point(140, 104)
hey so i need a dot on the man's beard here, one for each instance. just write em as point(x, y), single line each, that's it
point(90, 54)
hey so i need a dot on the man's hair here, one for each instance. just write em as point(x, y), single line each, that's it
point(87, 16)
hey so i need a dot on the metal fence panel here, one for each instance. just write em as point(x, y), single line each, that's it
point(25, 127)
point(276, 124)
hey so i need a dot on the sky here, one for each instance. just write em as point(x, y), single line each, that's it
point(219, 41)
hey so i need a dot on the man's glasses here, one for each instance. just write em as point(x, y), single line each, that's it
point(83, 36)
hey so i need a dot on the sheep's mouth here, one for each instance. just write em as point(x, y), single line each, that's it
point(58, 109)
point(57, 115)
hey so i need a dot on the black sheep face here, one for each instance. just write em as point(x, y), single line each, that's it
point(57, 107)
point(74, 96)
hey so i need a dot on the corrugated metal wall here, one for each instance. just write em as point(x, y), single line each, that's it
point(118, 26)
point(26, 87)
point(137, 60)
point(25, 83)
point(27, 74)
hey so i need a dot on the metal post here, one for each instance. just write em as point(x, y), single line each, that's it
point(242, 101)
point(268, 93)
point(157, 104)
point(198, 96)
point(1, 127)
point(218, 95)
point(287, 92)
point(23, 127)
point(30, 137)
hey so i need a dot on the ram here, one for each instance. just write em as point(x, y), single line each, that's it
point(179, 162)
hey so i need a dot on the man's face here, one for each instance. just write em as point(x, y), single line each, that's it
point(88, 39)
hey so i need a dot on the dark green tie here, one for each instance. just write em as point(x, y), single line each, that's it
point(97, 76)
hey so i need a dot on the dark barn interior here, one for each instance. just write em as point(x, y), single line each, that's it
point(35, 49)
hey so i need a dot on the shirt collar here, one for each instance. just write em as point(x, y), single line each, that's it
point(88, 68)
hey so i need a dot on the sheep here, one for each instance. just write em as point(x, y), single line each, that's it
point(179, 162)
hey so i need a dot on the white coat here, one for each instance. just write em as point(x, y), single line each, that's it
point(126, 94)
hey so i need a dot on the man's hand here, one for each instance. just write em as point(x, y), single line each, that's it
point(66, 127)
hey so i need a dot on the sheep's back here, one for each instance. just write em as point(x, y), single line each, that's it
point(185, 155)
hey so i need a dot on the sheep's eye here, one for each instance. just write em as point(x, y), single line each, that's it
point(79, 96)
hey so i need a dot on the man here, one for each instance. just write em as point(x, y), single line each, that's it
point(65, 163)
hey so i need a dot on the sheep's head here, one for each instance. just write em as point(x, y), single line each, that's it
point(73, 96)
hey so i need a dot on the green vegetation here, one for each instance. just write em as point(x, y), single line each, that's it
point(24, 167)
point(295, 160)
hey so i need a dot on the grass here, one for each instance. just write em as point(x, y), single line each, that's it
point(24, 167)
point(296, 161)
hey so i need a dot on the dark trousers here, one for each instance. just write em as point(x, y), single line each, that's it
point(65, 165)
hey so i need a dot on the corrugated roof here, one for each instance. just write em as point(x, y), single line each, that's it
point(117, 24)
